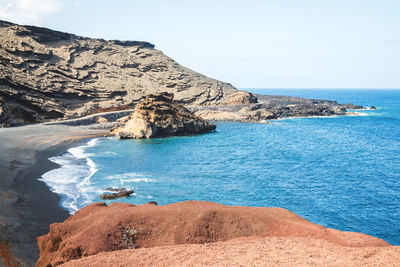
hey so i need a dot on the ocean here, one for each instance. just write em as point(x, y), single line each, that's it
point(340, 172)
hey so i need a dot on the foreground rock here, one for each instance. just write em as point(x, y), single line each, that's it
point(159, 116)
point(101, 228)
point(255, 251)
point(46, 75)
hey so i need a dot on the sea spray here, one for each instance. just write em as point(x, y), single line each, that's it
point(72, 179)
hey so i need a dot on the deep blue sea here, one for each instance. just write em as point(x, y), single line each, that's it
point(340, 172)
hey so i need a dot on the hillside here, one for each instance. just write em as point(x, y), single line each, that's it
point(46, 75)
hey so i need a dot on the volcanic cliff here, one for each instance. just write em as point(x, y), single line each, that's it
point(46, 75)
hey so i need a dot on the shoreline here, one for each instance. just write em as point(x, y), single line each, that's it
point(27, 205)
point(354, 113)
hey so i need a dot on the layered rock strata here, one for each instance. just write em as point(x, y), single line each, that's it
point(46, 75)
point(119, 226)
point(158, 115)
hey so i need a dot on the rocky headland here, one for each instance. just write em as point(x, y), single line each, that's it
point(47, 75)
point(121, 229)
point(270, 107)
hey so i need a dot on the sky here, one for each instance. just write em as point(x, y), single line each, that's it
point(252, 43)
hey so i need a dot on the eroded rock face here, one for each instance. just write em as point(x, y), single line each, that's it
point(45, 75)
point(99, 228)
point(159, 115)
point(240, 98)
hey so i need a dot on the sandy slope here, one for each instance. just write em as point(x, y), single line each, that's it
point(273, 251)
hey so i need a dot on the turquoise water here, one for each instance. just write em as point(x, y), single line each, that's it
point(340, 172)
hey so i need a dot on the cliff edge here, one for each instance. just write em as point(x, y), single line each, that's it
point(100, 228)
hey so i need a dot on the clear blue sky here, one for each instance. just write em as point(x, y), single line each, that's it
point(264, 44)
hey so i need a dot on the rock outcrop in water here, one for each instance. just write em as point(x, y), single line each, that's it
point(158, 115)
point(273, 107)
point(118, 193)
point(99, 228)
point(46, 75)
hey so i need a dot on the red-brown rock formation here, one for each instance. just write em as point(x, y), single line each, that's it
point(101, 228)
point(251, 251)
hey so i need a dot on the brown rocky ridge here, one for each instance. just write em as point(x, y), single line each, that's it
point(158, 115)
point(119, 226)
point(46, 75)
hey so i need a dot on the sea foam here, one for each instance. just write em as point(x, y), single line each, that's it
point(72, 179)
point(131, 177)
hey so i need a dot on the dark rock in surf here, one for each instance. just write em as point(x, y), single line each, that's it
point(123, 192)
point(109, 196)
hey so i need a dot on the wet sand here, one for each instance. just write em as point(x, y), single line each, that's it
point(27, 206)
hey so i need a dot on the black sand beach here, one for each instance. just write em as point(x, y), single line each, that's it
point(27, 206)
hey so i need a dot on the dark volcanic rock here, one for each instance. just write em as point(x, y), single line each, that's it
point(123, 192)
point(46, 74)
point(109, 196)
point(160, 116)
point(273, 107)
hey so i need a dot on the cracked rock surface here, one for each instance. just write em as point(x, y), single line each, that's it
point(47, 75)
